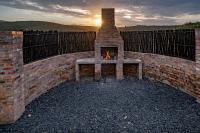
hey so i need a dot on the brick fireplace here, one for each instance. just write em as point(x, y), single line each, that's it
point(109, 51)
point(109, 45)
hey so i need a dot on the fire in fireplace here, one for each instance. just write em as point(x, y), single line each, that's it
point(109, 53)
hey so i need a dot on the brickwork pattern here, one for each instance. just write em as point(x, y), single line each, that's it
point(108, 17)
point(11, 85)
point(197, 36)
point(173, 71)
point(45, 74)
point(109, 36)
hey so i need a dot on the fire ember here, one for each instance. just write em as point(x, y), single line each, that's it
point(109, 53)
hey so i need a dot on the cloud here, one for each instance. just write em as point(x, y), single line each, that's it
point(127, 11)
point(22, 4)
point(74, 10)
point(46, 6)
point(30, 3)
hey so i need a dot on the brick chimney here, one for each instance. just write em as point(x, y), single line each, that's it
point(109, 39)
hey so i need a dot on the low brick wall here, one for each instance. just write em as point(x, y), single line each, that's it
point(42, 75)
point(173, 71)
point(197, 38)
point(45, 74)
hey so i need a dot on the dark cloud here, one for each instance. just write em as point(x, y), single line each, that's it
point(46, 6)
point(85, 8)
point(172, 7)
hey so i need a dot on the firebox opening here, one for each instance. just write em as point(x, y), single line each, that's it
point(109, 53)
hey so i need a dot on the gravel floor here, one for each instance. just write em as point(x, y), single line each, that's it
point(130, 105)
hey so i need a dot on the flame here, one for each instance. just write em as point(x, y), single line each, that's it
point(108, 57)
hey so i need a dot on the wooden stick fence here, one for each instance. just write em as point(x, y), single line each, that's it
point(39, 45)
point(177, 43)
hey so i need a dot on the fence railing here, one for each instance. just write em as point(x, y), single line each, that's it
point(176, 43)
point(39, 45)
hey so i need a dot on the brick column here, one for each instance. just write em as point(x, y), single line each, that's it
point(97, 71)
point(197, 38)
point(77, 71)
point(11, 87)
point(119, 71)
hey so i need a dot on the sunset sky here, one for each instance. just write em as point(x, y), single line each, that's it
point(87, 12)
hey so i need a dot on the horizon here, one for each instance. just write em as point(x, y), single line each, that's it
point(87, 12)
point(95, 25)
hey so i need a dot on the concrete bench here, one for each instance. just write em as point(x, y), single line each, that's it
point(91, 61)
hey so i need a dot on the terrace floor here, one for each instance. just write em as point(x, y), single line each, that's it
point(130, 105)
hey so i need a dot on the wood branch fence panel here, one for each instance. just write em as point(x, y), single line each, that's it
point(39, 45)
point(70, 42)
point(175, 43)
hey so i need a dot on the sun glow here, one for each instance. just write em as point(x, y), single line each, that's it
point(98, 22)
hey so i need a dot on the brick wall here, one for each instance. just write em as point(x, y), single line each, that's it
point(45, 74)
point(42, 75)
point(11, 88)
point(176, 72)
point(197, 36)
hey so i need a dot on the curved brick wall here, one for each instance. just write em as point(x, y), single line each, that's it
point(173, 71)
point(45, 74)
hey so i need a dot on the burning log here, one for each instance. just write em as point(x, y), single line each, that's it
point(108, 57)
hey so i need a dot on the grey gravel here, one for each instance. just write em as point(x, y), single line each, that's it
point(130, 105)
